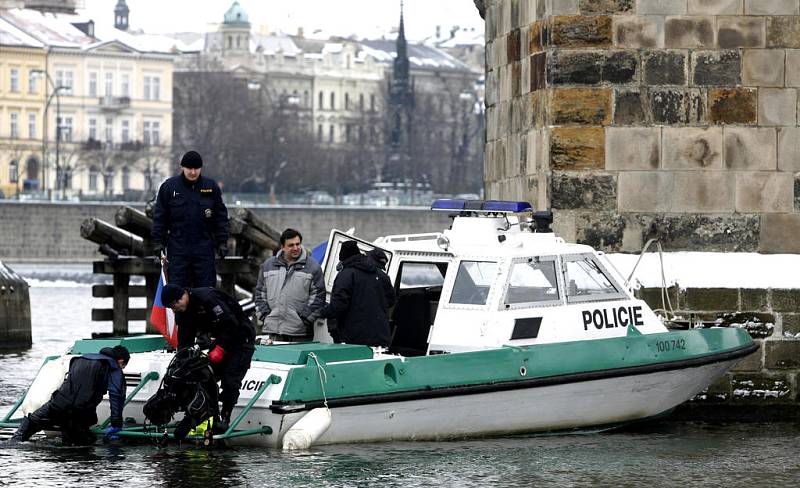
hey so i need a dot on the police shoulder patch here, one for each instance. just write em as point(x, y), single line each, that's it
point(217, 310)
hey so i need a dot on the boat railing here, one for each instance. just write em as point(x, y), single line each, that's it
point(666, 304)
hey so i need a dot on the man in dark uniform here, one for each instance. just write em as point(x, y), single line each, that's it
point(190, 221)
point(72, 408)
point(208, 310)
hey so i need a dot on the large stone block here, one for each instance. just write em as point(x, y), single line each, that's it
point(620, 67)
point(761, 388)
point(797, 193)
point(712, 299)
point(716, 68)
point(692, 148)
point(771, 7)
point(571, 31)
point(513, 47)
point(707, 191)
point(535, 33)
point(732, 233)
point(715, 7)
point(792, 68)
point(595, 7)
point(591, 192)
point(661, 7)
point(538, 70)
point(630, 108)
point(580, 106)
point(575, 148)
point(785, 300)
point(779, 233)
point(751, 149)
point(751, 362)
point(664, 67)
point(755, 299)
point(764, 192)
point(789, 149)
point(777, 106)
point(601, 230)
point(732, 106)
point(689, 32)
point(677, 106)
point(733, 32)
point(783, 31)
point(763, 67)
point(575, 67)
point(562, 7)
point(782, 354)
point(516, 79)
point(790, 325)
point(633, 31)
point(645, 191)
point(633, 148)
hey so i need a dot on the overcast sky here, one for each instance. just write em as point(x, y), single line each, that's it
point(339, 17)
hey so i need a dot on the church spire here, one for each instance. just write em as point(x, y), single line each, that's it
point(401, 70)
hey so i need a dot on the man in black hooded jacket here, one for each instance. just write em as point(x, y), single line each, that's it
point(361, 297)
point(72, 408)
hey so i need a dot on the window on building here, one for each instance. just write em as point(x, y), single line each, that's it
point(152, 129)
point(126, 131)
point(333, 101)
point(14, 79)
point(32, 83)
point(306, 100)
point(14, 125)
point(93, 173)
point(109, 84)
point(66, 129)
point(13, 171)
point(125, 85)
point(372, 102)
point(348, 132)
point(64, 77)
point(108, 180)
point(473, 282)
point(230, 42)
point(361, 101)
point(93, 84)
point(146, 132)
point(93, 129)
point(32, 171)
point(330, 133)
point(319, 132)
point(32, 126)
point(321, 99)
point(360, 133)
point(109, 130)
point(347, 101)
point(152, 88)
point(238, 42)
point(126, 179)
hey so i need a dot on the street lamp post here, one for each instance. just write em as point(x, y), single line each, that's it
point(56, 90)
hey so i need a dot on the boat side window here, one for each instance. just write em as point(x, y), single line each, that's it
point(587, 280)
point(532, 281)
point(421, 275)
point(473, 282)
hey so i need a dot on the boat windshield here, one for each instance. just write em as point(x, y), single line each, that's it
point(532, 281)
point(473, 282)
point(587, 279)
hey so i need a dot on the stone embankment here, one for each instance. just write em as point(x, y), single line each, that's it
point(15, 310)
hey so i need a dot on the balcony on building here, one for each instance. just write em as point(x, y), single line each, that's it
point(111, 103)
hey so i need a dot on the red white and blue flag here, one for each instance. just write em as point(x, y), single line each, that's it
point(163, 318)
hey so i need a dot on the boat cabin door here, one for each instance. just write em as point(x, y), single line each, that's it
point(330, 268)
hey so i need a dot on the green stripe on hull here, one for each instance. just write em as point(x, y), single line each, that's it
point(299, 353)
point(142, 343)
point(366, 378)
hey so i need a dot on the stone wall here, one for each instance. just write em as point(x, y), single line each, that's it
point(51, 232)
point(633, 119)
point(769, 379)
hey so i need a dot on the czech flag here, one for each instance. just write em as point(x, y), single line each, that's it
point(163, 318)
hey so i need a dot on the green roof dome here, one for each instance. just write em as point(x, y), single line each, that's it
point(236, 15)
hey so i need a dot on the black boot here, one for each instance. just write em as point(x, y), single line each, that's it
point(222, 421)
point(24, 432)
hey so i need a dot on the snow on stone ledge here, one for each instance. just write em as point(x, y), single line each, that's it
point(713, 270)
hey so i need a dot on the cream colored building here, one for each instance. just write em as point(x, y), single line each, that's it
point(114, 105)
point(21, 109)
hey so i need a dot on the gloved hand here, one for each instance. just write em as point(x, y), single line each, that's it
point(222, 250)
point(215, 355)
point(159, 252)
point(111, 432)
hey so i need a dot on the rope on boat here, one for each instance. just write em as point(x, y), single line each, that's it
point(666, 303)
point(323, 377)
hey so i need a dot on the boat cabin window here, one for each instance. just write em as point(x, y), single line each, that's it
point(416, 275)
point(532, 281)
point(473, 282)
point(587, 280)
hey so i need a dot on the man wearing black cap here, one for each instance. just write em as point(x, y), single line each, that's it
point(72, 408)
point(360, 300)
point(212, 311)
point(190, 221)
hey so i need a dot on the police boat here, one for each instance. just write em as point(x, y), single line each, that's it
point(500, 327)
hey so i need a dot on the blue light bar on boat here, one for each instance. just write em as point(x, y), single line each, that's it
point(481, 205)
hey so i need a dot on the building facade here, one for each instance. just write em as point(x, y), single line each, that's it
point(632, 120)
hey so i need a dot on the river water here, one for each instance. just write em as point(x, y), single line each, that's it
point(662, 453)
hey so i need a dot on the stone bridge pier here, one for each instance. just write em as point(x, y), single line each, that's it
point(632, 119)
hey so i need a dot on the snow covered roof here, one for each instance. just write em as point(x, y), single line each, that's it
point(144, 43)
point(420, 56)
point(457, 37)
point(12, 36)
point(49, 29)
